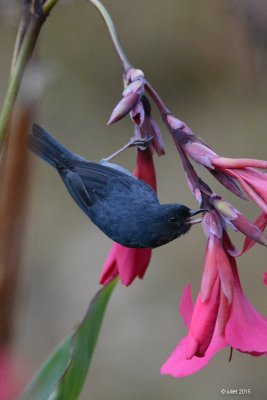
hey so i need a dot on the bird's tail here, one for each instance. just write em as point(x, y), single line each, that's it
point(45, 146)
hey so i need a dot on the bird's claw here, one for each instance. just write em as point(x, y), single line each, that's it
point(140, 142)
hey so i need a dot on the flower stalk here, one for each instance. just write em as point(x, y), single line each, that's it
point(126, 65)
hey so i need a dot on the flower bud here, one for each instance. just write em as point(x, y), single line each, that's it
point(123, 108)
point(239, 221)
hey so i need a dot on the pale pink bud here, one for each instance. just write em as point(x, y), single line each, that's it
point(123, 108)
point(200, 153)
point(245, 226)
point(131, 96)
point(176, 124)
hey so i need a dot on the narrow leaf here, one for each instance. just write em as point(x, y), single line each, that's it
point(62, 376)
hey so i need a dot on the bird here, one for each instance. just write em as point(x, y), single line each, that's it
point(122, 206)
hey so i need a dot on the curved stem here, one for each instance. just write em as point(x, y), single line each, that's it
point(126, 65)
point(48, 5)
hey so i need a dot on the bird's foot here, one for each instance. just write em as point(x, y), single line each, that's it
point(143, 143)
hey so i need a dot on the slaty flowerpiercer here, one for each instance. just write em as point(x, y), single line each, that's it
point(125, 208)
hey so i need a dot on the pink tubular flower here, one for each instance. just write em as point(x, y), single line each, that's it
point(221, 316)
point(129, 263)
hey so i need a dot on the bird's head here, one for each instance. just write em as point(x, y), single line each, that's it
point(177, 219)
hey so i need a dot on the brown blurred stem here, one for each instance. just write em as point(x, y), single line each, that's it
point(25, 44)
point(14, 180)
point(126, 65)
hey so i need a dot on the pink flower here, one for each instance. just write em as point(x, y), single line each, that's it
point(130, 263)
point(13, 375)
point(138, 105)
point(221, 316)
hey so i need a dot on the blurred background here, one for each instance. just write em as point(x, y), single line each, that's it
point(208, 61)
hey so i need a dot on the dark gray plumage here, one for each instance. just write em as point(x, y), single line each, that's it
point(125, 208)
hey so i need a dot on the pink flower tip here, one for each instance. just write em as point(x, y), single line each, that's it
point(123, 108)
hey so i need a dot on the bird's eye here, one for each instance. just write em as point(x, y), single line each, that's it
point(173, 219)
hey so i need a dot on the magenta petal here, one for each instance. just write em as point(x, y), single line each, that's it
point(131, 263)
point(186, 306)
point(126, 262)
point(178, 366)
point(110, 269)
point(265, 278)
point(246, 329)
point(203, 323)
point(261, 223)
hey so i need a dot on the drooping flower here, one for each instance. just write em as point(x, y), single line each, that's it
point(231, 172)
point(221, 316)
point(135, 103)
point(130, 263)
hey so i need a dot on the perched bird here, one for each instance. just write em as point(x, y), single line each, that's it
point(125, 208)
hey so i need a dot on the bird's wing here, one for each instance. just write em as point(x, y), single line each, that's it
point(76, 188)
point(94, 176)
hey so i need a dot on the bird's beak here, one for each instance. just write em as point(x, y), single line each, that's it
point(193, 213)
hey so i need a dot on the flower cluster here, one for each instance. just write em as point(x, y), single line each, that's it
point(221, 315)
point(130, 263)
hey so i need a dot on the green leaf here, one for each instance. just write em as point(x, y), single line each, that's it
point(62, 376)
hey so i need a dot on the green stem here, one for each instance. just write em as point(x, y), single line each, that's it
point(22, 57)
point(126, 65)
point(15, 79)
point(48, 5)
point(20, 36)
